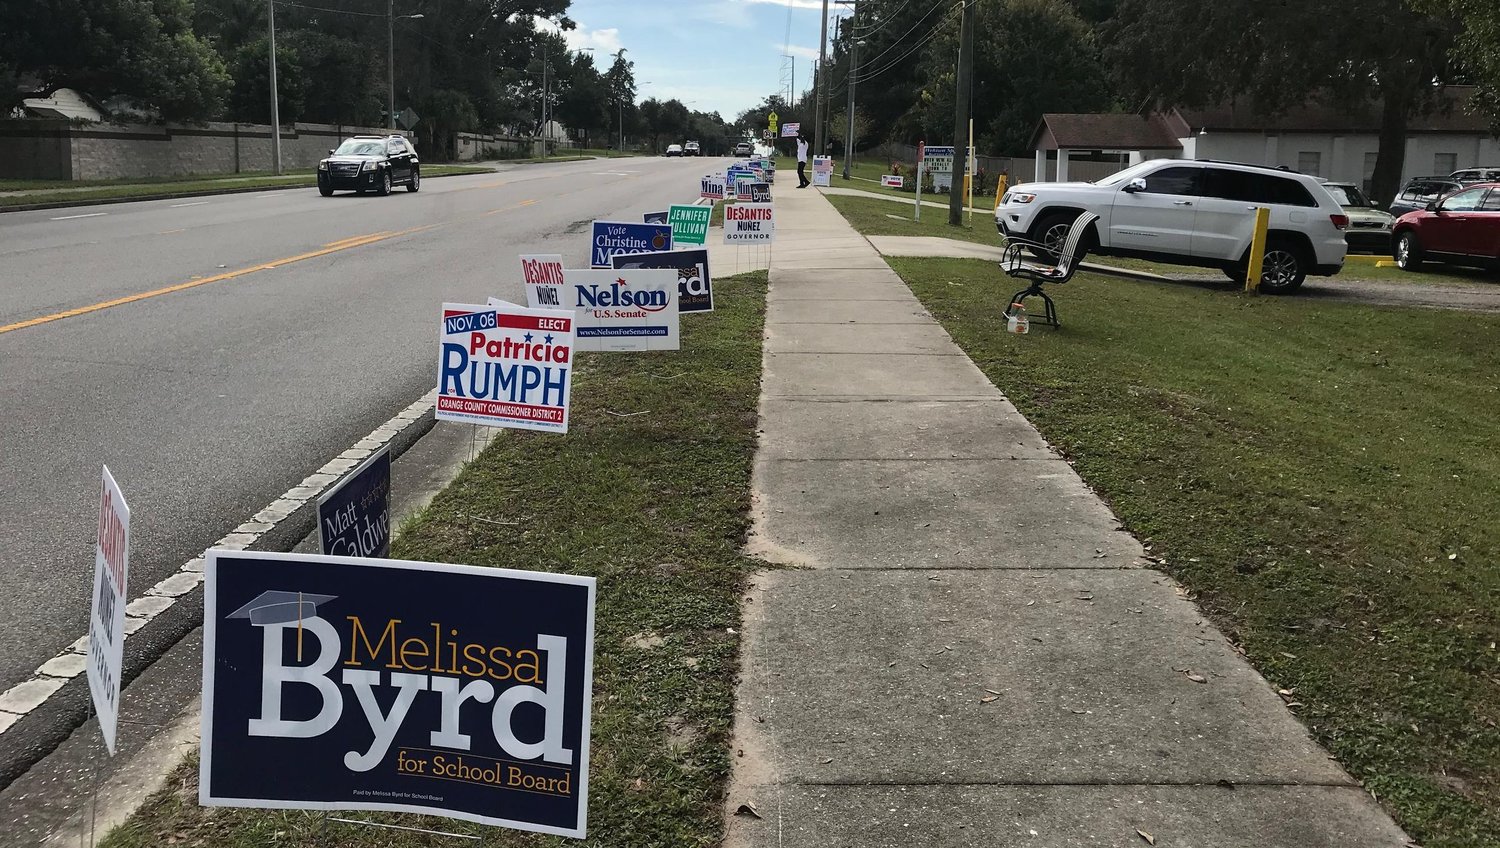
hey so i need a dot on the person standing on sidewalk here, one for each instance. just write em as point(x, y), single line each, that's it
point(802, 160)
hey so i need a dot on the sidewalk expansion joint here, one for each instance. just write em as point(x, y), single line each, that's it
point(939, 569)
point(861, 353)
point(869, 399)
point(912, 459)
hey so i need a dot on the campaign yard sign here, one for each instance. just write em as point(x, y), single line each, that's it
point(542, 274)
point(655, 218)
point(790, 129)
point(749, 223)
point(611, 237)
point(354, 518)
point(695, 291)
point(822, 171)
point(743, 190)
point(338, 683)
point(760, 192)
point(713, 187)
point(107, 617)
point(689, 225)
point(892, 181)
point(621, 311)
point(506, 366)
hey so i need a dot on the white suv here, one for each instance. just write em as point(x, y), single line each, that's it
point(1191, 212)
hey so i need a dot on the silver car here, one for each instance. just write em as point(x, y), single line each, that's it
point(1369, 228)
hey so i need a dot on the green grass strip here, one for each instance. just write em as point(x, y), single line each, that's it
point(1323, 477)
point(655, 506)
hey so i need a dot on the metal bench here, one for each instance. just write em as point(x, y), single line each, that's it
point(1066, 264)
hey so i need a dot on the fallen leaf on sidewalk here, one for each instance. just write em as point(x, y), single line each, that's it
point(989, 698)
point(747, 810)
point(1150, 840)
point(1196, 678)
point(991, 691)
point(827, 760)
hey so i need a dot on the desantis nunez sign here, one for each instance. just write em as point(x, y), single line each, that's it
point(506, 366)
point(333, 683)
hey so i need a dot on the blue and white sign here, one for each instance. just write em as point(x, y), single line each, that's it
point(695, 292)
point(354, 518)
point(612, 237)
point(617, 311)
point(339, 683)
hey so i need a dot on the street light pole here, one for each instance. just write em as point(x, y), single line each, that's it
point(620, 101)
point(820, 86)
point(275, 107)
point(390, 63)
point(853, 68)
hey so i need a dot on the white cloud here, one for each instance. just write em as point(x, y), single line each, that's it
point(603, 40)
point(800, 52)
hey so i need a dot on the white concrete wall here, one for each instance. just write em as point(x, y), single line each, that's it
point(1343, 156)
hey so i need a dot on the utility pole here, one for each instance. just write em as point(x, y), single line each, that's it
point(851, 79)
point(820, 86)
point(275, 107)
point(390, 63)
point(961, 115)
point(620, 98)
point(544, 101)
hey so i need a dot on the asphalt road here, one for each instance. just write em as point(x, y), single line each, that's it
point(208, 401)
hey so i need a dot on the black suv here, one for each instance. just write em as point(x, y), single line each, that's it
point(370, 163)
point(1420, 191)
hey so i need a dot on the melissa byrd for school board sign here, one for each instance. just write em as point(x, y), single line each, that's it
point(333, 683)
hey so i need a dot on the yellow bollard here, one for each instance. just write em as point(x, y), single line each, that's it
point(1257, 250)
point(1000, 186)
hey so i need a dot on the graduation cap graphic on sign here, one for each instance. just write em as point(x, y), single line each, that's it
point(277, 607)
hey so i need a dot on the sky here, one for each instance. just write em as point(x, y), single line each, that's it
point(713, 55)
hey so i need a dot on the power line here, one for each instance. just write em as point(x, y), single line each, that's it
point(890, 17)
point(914, 27)
point(862, 77)
point(289, 4)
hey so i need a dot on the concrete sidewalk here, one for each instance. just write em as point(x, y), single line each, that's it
point(968, 650)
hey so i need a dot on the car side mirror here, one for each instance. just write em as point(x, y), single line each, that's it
point(1374, 204)
point(1135, 185)
point(330, 151)
point(1433, 207)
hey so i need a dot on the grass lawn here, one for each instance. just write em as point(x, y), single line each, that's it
point(1323, 477)
point(110, 190)
point(874, 217)
point(653, 505)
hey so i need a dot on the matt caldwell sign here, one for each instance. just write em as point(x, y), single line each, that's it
point(354, 519)
point(107, 619)
point(334, 683)
point(612, 237)
point(505, 366)
point(749, 223)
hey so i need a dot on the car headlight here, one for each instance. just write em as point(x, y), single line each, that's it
point(1019, 197)
point(323, 166)
point(366, 165)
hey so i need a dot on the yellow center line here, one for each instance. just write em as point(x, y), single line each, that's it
point(520, 205)
point(171, 232)
point(203, 281)
point(348, 241)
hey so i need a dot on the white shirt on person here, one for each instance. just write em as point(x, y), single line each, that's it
point(801, 150)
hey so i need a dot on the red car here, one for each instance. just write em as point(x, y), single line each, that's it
point(1462, 228)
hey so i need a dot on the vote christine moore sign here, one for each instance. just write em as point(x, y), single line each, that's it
point(334, 683)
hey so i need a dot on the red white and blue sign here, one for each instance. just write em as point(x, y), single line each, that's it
point(506, 366)
point(618, 311)
point(340, 683)
point(614, 237)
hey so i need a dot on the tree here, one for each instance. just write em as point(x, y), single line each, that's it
point(620, 80)
point(142, 49)
point(1477, 48)
point(1277, 53)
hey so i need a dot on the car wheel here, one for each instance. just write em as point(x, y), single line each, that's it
point(1051, 232)
point(1408, 252)
point(1283, 268)
point(383, 188)
point(415, 184)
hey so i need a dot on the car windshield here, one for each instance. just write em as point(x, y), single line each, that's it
point(1125, 176)
point(360, 147)
point(1347, 195)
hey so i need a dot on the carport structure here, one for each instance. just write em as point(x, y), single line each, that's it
point(1136, 137)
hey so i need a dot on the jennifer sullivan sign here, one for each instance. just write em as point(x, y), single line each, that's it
point(107, 618)
point(749, 223)
point(505, 366)
point(612, 237)
point(334, 683)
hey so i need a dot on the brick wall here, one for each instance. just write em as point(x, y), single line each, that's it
point(61, 150)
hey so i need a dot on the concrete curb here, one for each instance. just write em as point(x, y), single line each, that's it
point(110, 201)
point(38, 714)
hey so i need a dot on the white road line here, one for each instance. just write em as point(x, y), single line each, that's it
point(72, 217)
point(198, 203)
point(50, 676)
